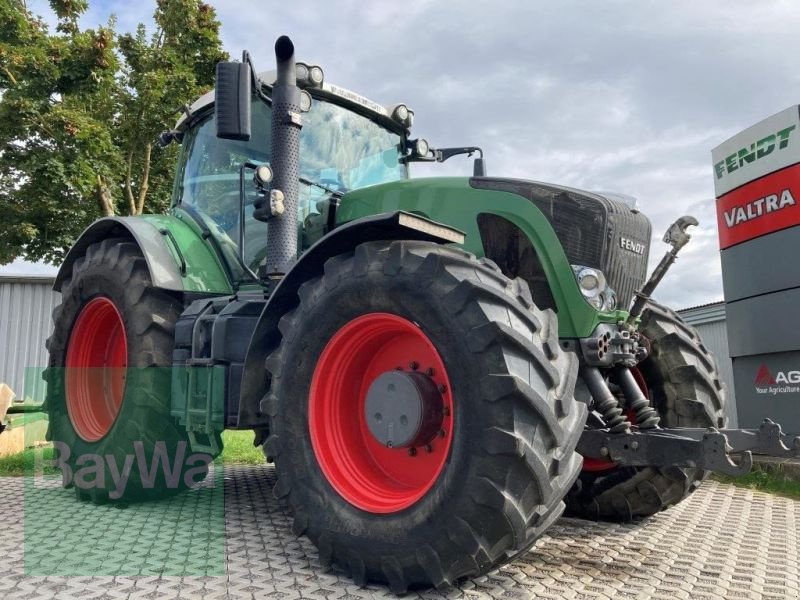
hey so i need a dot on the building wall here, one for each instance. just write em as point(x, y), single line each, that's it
point(26, 306)
point(709, 320)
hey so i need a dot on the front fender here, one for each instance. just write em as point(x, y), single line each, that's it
point(396, 225)
point(177, 257)
point(454, 200)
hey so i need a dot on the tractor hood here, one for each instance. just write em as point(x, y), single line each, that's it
point(593, 230)
point(604, 231)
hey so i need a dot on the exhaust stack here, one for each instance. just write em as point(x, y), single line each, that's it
point(285, 163)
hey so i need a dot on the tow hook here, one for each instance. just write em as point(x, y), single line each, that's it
point(677, 237)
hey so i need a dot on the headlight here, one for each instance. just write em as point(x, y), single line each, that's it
point(611, 300)
point(301, 71)
point(594, 287)
point(263, 174)
point(403, 115)
point(316, 76)
point(305, 101)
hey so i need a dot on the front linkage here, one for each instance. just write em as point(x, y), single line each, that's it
point(629, 434)
point(708, 449)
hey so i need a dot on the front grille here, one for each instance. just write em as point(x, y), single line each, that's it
point(625, 269)
point(589, 227)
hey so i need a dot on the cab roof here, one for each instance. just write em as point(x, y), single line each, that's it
point(328, 91)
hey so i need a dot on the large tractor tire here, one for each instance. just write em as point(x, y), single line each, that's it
point(491, 399)
point(682, 380)
point(109, 380)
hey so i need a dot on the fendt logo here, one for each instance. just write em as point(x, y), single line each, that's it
point(756, 151)
point(631, 245)
point(780, 383)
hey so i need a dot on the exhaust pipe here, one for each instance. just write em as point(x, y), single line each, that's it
point(285, 163)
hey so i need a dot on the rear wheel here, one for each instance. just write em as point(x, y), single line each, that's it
point(682, 380)
point(422, 416)
point(109, 380)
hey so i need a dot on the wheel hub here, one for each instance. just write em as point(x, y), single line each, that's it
point(403, 409)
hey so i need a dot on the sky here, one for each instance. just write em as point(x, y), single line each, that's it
point(625, 96)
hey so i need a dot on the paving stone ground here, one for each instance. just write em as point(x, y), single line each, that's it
point(724, 542)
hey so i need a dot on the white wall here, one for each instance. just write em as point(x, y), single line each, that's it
point(26, 306)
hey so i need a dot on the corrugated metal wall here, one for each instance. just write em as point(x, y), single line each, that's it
point(26, 306)
point(710, 324)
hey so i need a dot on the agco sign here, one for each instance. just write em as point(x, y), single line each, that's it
point(781, 382)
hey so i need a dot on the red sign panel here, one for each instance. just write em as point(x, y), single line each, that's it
point(762, 206)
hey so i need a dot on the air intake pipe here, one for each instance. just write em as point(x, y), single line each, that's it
point(281, 209)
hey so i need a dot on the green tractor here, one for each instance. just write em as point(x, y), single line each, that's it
point(437, 367)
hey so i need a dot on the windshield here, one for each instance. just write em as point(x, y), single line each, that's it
point(339, 150)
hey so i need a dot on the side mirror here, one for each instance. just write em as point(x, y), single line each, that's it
point(232, 101)
point(479, 167)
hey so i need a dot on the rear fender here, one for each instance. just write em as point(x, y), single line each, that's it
point(178, 259)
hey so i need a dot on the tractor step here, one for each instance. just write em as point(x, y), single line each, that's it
point(727, 451)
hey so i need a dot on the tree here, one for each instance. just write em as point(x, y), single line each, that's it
point(80, 112)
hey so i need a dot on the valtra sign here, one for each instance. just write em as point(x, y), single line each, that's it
point(760, 207)
point(757, 179)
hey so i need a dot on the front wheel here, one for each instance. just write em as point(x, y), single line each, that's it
point(682, 380)
point(422, 416)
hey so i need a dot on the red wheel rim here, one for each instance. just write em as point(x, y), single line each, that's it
point(595, 465)
point(367, 474)
point(97, 357)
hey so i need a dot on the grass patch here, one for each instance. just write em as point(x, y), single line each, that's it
point(766, 477)
point(15, 465)
point(239, 449)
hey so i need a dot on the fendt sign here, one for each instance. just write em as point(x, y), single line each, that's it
point(757, 179)
point(757, 183)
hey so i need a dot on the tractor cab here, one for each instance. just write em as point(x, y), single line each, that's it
point(347, 142)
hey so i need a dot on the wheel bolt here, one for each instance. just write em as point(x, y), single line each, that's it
point(412, 451)
point(430, 372)
point(389, 444)
point(442, 433)
point(428, 448)
point(446, 411)
point(442, 388)
point(414, 365)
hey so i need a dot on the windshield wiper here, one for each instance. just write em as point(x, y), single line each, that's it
point(320, 186)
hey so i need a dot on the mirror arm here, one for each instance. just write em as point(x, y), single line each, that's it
point(444, 153)
point(254, 78)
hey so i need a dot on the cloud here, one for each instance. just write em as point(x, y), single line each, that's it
point(627, 96)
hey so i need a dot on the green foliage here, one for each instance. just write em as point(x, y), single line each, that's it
point(27, 461)
point(770, 478)
point(238, 449)
point(80, 111)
